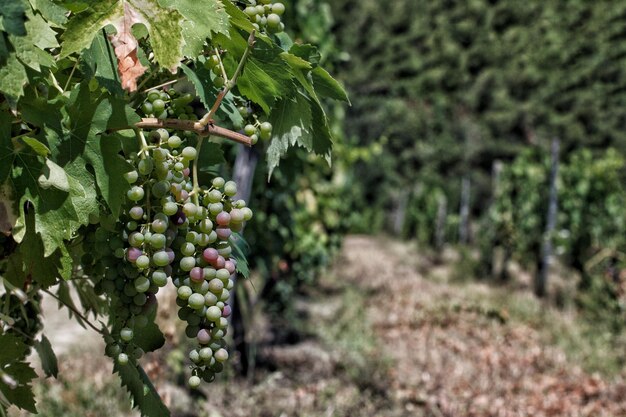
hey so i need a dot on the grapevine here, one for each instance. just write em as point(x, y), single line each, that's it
point(112, 170)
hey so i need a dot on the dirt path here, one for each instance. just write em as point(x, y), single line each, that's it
point(452, 359)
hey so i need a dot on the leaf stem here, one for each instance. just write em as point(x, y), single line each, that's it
point(78, 313)
point(69, 79)
point(229, 84)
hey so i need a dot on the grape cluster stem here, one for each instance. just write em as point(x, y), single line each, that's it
point(197, 127)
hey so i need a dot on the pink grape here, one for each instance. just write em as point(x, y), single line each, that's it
point(223, 219)
point(134, 253)
point(210, 255)
point(197, 274)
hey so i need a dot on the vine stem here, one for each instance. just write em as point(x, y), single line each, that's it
point(206, 120)
point(78, 313)
point(190, 125)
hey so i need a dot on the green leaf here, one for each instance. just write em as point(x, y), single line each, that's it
point(144, 396)
point(13, 14)
point(240, 248)
point(6, 145)
point(47, 357)
point(110, 172)
point(291, 121)
point(307, 52)
point(322, 137)
point(99, 62)
point(35, 145)
point(13, 348)
point(201, 79)
point(39, 32)
point(50, 11)
point(264, 82)
point(237, 17)
point(164, 27)
point(20, 393)
point(54, 176)
point(326, 86)
point(211, 154)
point(200, 22)
point(13, 77)
point(150, 338)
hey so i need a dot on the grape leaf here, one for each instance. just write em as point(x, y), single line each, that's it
point(200, 22)
point(240, 248)
point(164, 27)
point(202, 82)
point(13, 77)
point(47, 357)
point(291, 121)
point(6, 145)
point(144, 395)
point(12, 348)
point(237, 17)
point(53, 13)
point(13, 13)
point(150, 338)
point(99, 62)
point(211, 154)
point(326, 86)
point(53, 176)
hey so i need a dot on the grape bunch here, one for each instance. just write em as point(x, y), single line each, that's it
point(169, 104)
point(266, 15)
point(254, 128)
point(171, 230)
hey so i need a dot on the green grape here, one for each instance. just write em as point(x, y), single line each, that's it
point(194, 356)
point(273, 21)
point(218, 182)
point(196, 301)
point(158, 241)
point(160, 189)
point(159, 278)
point(219, 81)
point(254, 139)
point(230, 188)
point(158, 105)
point(135, 193)
point(187, 263)
point(194, 381)
point(174, 141)
point(126, 334)
point(122, 359)
point(189, 153)
point(147, 108)
point(213, 313)
point(140, 299)
point(170, 208)
point(142, 262)
point(142, 284)
point(205, 354)
point(278, 8)
point(249, 130)
point(131, 177)
point(145, 166)
point(153, 95)
point(161, 258)
point(221, 355)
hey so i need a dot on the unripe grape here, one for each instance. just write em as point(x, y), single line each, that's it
point(161, 258)
point(194, 381)
point(142, 284)
point(278, 8)
point(136, 213)
point(230, 188)
point(206, 354)
point(196, 301)
point(158, 241)
point(221, 355)
point(170, 208)
point(184, 292)
point(226, 311)
point(189, 153)
point(122, 359)
point(210, 299)
point(187, 263)
point(159, 278)
point(126, 334)
point(142, 262)
point(135, 193)
point(131, 177)
point(249, 130)
point(194, 356)
point(197, 274)
point(213, 313)
point(247, 213)
point(174, 141)
point(223, 233)
point(218, 182)
point(140, 299)
point(216, 286)
point(214, 196)
point(223, 274)
point(210, 255)
point(203, 337)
